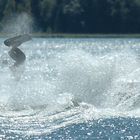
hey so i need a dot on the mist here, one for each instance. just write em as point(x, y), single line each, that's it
point(18, 24)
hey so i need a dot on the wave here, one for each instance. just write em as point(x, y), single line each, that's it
point(73, 76)
point(99, 80)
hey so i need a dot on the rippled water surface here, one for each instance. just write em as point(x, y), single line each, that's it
point(71, 89)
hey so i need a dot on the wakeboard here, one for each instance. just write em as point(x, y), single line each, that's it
point(17, 40)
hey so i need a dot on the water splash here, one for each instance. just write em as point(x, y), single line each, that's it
point(18, 24)
point(63, 78)
point(63, 86)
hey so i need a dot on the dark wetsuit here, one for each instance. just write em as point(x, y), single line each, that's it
point(17, 55)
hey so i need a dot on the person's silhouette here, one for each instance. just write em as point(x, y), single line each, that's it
point(15, 53)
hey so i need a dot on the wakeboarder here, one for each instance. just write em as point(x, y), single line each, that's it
point(15, 53)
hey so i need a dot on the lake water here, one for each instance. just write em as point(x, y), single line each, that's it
point(71, 89)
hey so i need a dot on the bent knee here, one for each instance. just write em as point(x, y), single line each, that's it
point(17, 55)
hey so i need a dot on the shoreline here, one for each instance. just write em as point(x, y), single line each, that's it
point(63, 35)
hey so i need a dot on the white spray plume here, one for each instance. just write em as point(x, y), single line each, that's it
point(18, 24)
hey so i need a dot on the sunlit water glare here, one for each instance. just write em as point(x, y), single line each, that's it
point(71, 89)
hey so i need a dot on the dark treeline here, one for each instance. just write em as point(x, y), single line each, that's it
point(76, 16)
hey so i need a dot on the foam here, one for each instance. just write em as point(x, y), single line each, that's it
point(73, 75)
